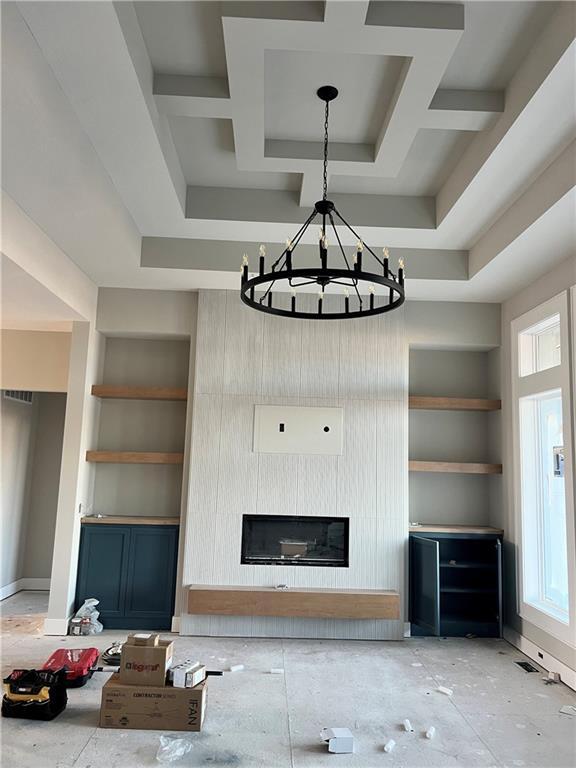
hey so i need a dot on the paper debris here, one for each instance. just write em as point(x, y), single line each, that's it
point(389, 746)
point(568, 709)
point(407, 725)
point(415, 664)
point(236, 668)
point(445, 691)
point(552, 678)
point(276, 671)
point(430, 732)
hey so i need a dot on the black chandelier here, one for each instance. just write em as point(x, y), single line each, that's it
point(350, 278)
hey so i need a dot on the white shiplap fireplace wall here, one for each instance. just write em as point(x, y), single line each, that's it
point(245, 358)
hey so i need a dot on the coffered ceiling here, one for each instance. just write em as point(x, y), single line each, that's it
point(197, 128)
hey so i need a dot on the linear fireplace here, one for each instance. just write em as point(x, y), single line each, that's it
point(295, 540)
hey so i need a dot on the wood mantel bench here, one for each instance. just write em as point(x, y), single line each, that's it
point(295, 601)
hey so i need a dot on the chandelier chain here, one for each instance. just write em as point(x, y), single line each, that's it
point(325, 173)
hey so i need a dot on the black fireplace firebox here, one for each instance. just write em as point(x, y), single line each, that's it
point(295, 540)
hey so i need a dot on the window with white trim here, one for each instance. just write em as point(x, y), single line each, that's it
point(544, 467)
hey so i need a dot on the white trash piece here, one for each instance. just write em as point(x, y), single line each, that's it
point(172, 748)
point(430, 732)
point(416, 664)
point(236, 668)
point(340, 740)
point(445, 691)
point(389, 746)
point(276, 671)
point(407, 725)
point(568, 709)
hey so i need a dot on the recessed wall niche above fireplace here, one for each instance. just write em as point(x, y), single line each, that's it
point(295, 540)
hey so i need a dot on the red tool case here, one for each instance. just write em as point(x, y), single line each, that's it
point(79, 664)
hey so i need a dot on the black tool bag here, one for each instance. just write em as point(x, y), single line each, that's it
point(36, 694)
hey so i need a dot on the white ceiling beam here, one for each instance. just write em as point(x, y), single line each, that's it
point(184, 96)
point(534, 97)
point(258, 205)
point(461, 110)
point(543, 194)
point(222, 255)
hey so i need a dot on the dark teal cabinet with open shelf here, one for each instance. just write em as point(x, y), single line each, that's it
point(131, 569)
point(456, 584)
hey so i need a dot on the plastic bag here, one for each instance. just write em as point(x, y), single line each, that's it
point(87, 613)
point(172, 748)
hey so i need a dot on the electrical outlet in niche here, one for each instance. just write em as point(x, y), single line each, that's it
point(298, 429)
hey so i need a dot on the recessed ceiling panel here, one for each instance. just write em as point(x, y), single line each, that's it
point(205, 147)
point(293, 111)
point(184, 38)
point(431, 159)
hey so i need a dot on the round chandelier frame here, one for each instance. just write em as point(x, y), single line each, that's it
point(351, 278)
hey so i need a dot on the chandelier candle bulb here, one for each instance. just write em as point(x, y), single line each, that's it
point(293, 300)
point(386, 255)
point(270, 299)
point(371, 292)
point(320, 298)
point(401, 271)
point(346, 300)
point(244, 268)
point(358, 259)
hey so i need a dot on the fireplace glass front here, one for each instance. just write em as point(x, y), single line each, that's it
point(295, 540)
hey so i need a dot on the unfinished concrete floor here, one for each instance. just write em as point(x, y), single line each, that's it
point(498, 715)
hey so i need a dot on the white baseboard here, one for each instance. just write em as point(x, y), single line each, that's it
point(24, 584)
point(541, 657)
point(56, 626)
point(175, 624)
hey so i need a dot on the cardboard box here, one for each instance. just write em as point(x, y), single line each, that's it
point(145, 664)
point(187, 674)
point(340, 740)
point(161, 708)
point(143, 638)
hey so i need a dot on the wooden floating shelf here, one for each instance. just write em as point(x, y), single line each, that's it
point(139, 393)
point(455, 467)
point(441, 528)
point(297, 601)
point(418, 402)
point(134, 457)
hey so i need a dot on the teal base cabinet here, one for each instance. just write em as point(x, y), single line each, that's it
point(131, 569)
point(455, 584)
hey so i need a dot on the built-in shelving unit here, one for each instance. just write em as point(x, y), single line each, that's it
point(134, 457)
point(467, 468)
point(454, 442)
point(138, 454)
point(423, 402)
point(139, 393)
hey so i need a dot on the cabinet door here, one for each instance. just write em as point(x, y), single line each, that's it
point(425, 584)
point(102, 567)
point(500, 583)
point(151, 580)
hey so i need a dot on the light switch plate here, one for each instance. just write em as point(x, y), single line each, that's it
point(298, 429)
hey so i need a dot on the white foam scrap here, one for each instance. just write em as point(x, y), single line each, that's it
point(568, 709)
point(416, 664)
point(276, 671)
point(389, 746)
point(445, 691)
point(430, 732)
point(407, 725)
point(236, 667)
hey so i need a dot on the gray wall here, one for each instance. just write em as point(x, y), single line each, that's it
point(141, 425)
point(17, 447)
point(44, 485)
point(31, 457)
point(244, 358)
point(453, 436)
